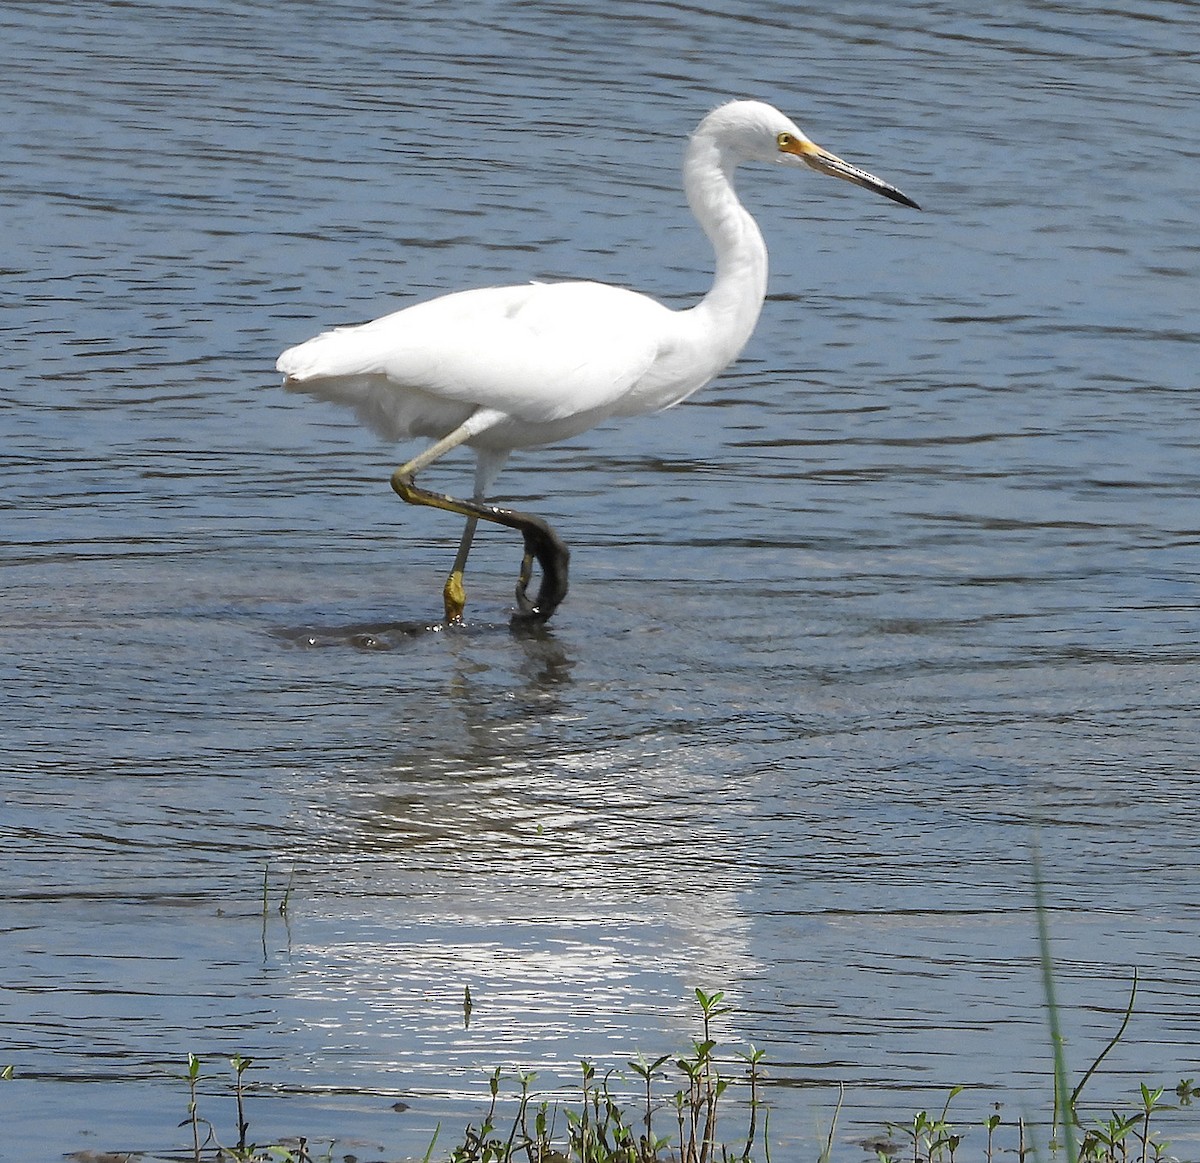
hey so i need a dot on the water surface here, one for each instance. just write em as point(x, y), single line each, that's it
point(914, 578)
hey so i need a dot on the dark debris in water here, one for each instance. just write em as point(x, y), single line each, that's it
point(390, 635)
point(359, 637)
point(381, 636)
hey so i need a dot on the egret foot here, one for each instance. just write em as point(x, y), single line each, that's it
point(542, 545)
point(551, 553)
point(454, 598)
point(524, 578)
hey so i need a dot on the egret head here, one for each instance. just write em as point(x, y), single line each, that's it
point(755, 131)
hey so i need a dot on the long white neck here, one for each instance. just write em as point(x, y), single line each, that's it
point(730, 310)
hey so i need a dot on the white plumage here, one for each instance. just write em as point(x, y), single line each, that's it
point(540, 353)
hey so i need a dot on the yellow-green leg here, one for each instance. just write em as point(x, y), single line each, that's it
point(541, 542)
point(454, 592)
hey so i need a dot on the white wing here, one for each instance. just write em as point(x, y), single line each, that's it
point(539, 353)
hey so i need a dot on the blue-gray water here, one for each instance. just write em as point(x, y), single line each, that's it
point(918, 574)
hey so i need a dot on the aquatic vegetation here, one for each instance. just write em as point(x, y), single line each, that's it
point(612, 1117)
point(604, 1126)
point(612, 1120)
point(207, 1147)
point(1120, 1136)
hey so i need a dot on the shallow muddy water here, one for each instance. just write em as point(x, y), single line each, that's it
point(912, 583)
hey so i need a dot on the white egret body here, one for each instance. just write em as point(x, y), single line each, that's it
point(511, 367)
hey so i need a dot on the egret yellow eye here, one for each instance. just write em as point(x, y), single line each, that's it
point(785, 141)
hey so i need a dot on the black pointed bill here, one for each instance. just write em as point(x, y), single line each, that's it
point(825, 162)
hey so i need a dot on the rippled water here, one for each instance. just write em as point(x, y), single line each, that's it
point(918, 574)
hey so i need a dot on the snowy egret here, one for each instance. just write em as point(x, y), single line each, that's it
point(500, 368)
